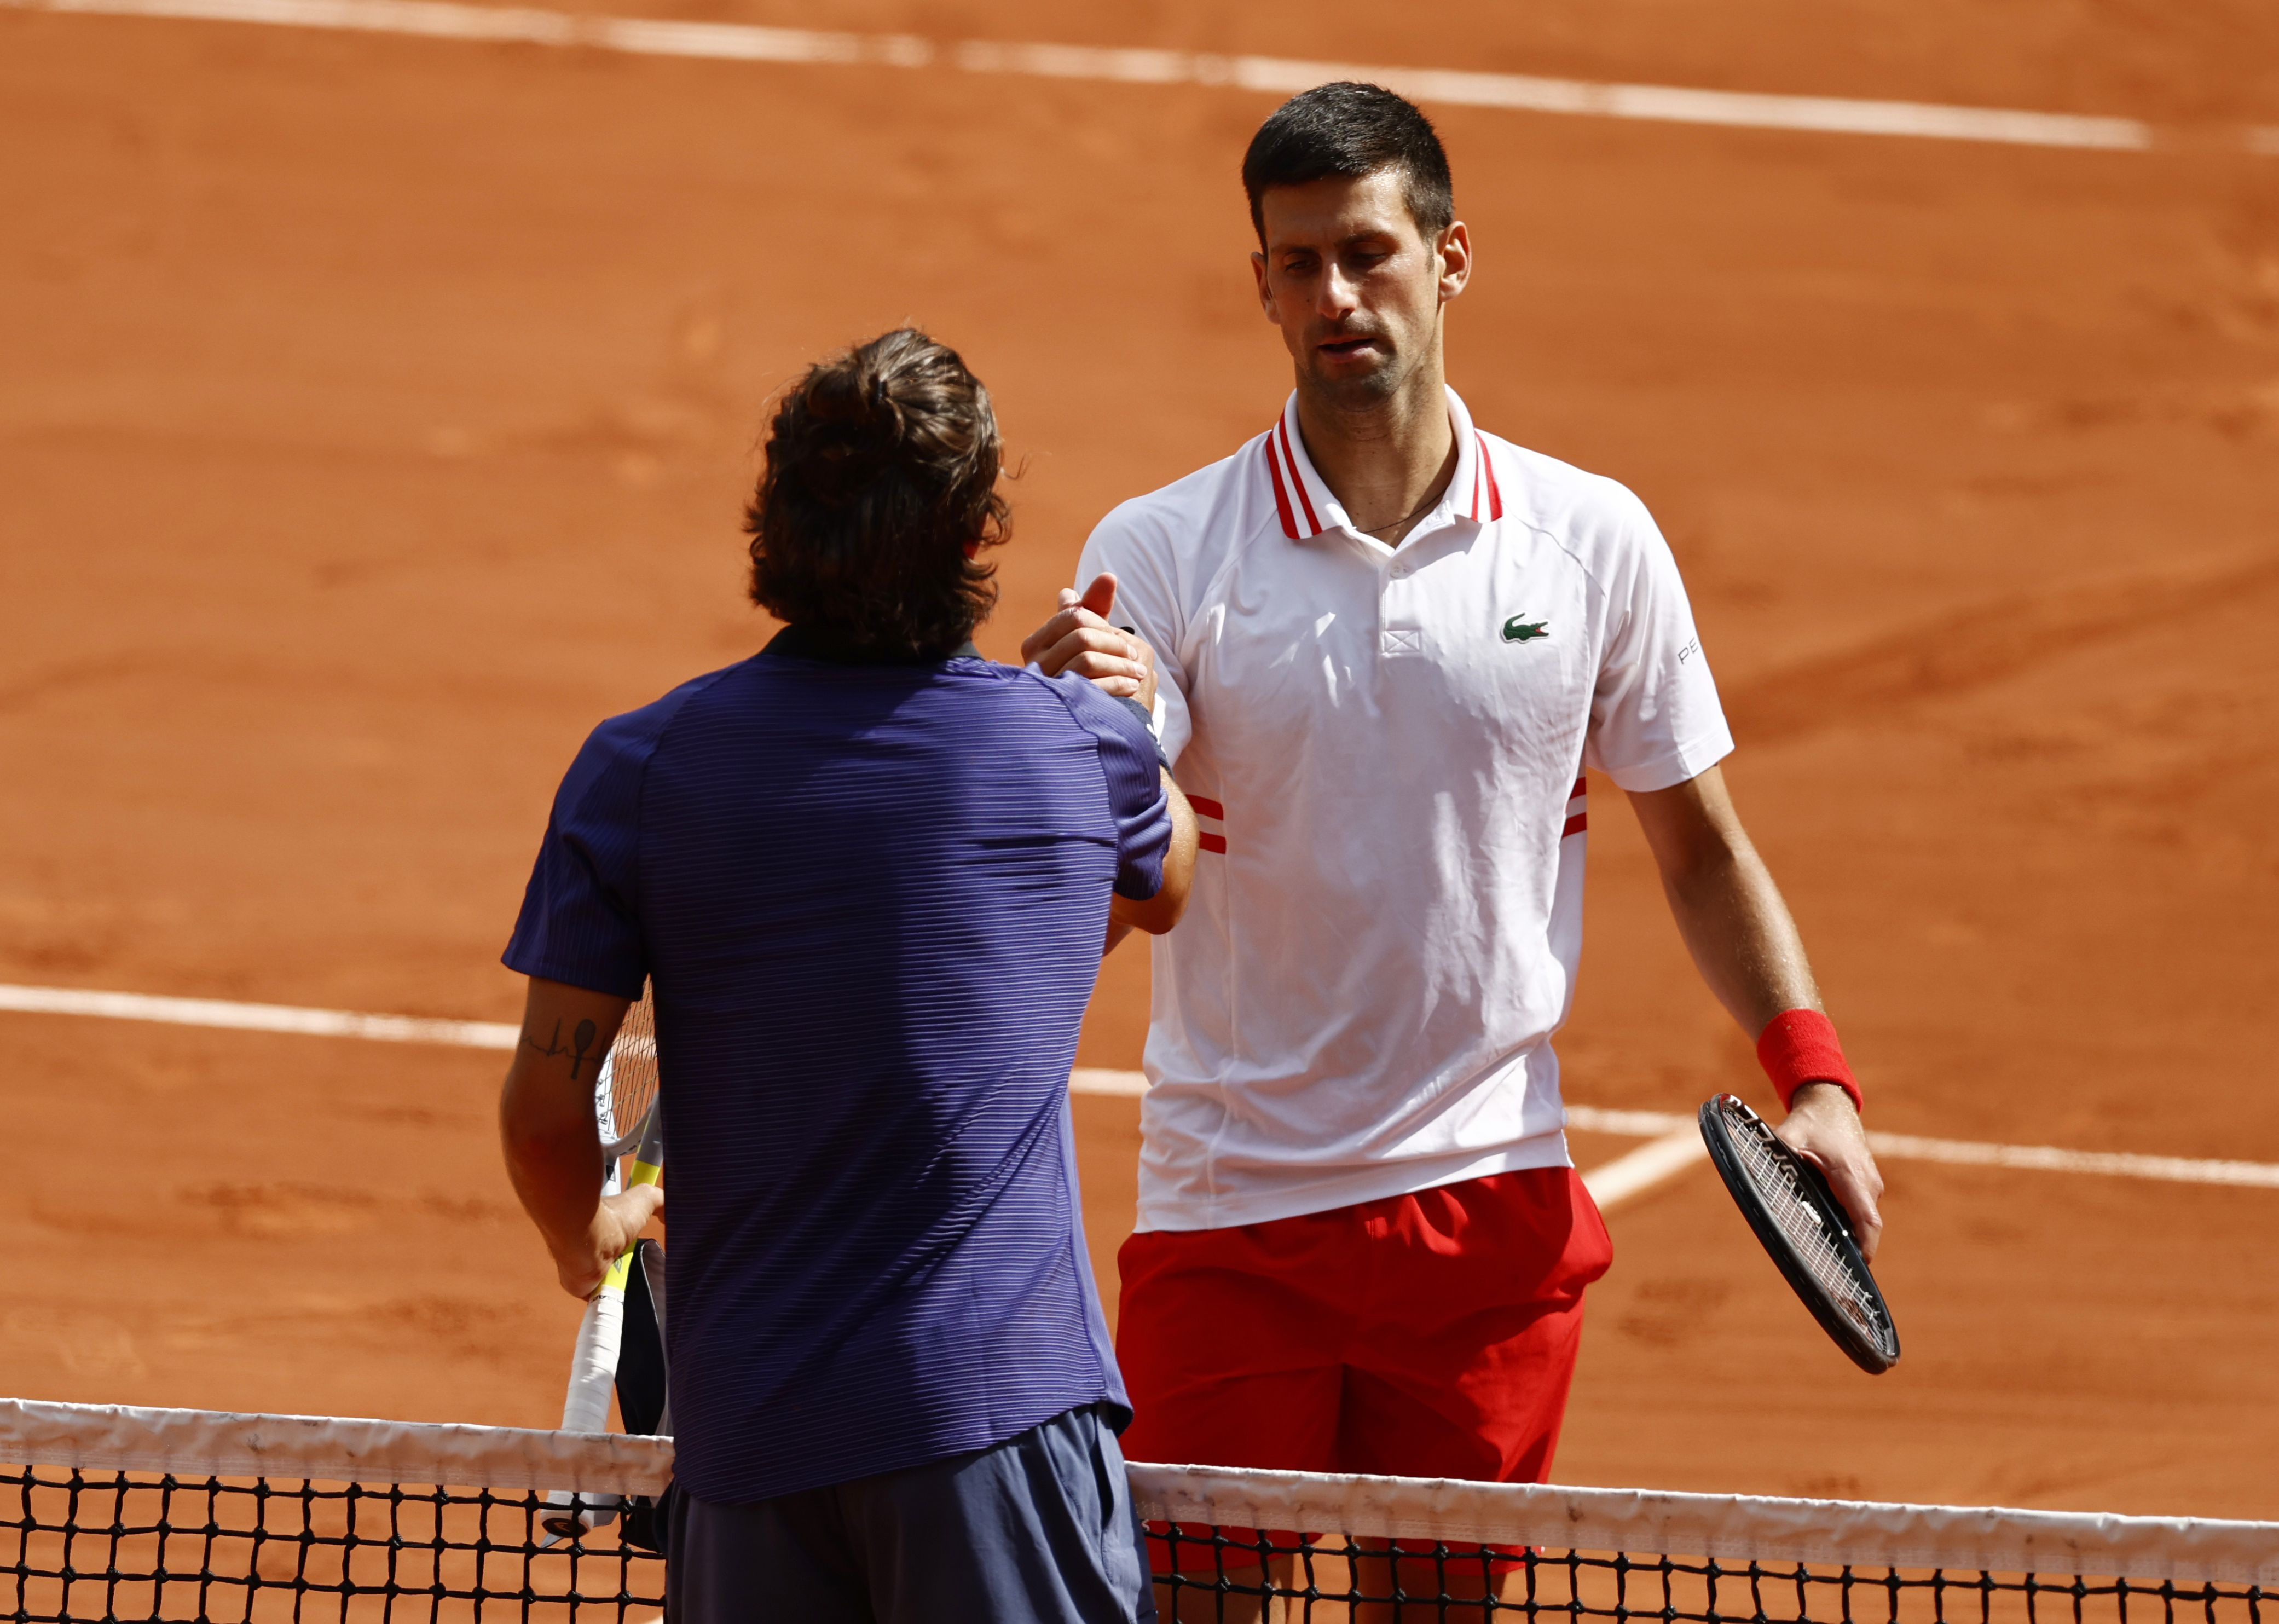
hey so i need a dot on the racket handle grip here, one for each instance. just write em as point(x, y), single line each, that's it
point(593, 1365)
point(586, 1408)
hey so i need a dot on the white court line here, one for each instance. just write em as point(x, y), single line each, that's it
point(1617, 1181)
point(1972, 1153)
point(1635, 1124)
point(2049, 1158)
point(1677, 1143)
point(1278, 75)
point(256, 1017)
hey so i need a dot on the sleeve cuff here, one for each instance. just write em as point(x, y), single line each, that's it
point(1147, 721)
point(1672, 768)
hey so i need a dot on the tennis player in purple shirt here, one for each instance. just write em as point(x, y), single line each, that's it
point(868, 873)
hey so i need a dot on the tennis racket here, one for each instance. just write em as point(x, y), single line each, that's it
point(1787, 1202)
point(625, 1115)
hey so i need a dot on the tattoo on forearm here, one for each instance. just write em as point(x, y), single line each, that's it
point(551, 1047)
point(581, 1039)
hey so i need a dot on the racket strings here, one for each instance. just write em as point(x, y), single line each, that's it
point(1802, 1221)
point(629, 1082)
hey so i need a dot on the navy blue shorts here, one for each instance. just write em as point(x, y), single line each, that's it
point(1038, 1530)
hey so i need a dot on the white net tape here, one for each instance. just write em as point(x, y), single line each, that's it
point(217, 1443)
point(1741, 1527)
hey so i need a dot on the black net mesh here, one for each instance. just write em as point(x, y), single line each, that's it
point(151, 1546)
point(1238, 1574)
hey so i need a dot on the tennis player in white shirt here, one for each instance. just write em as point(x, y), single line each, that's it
point(1383, 646)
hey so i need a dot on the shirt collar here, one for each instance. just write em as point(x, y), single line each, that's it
point(834, 648)
point(1473, 492)
point(1304, 504)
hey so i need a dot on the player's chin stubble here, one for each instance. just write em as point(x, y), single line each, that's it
point(1357, 392)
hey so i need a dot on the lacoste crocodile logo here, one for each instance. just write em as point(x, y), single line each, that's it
point(1519, 629)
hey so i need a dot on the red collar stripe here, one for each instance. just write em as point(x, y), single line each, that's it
point(1282, 427)
point(1281, 497)
point(1484, 469)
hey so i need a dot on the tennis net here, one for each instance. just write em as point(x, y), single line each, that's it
point(109, 1512)
point(1230, 1545)
point(149, 1515)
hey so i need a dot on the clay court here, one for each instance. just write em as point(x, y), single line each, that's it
point(375, 416)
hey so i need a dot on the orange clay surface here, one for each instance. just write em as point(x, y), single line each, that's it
point(375, 414)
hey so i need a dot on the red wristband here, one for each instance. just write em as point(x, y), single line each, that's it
point(1799, 1046)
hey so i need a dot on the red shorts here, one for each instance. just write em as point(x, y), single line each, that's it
point(1430, 1334)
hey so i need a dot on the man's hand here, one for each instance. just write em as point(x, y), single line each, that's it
point(617, 1223)
point(1080, 639)
point(1822, 1127)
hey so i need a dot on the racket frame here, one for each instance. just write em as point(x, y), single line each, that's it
point(1812, 1185)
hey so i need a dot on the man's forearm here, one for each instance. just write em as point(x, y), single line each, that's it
point(553, 1159)
point(547, 1129)
point(1743, 938)
point(1727, 910)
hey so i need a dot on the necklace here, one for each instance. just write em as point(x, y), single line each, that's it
point(1404, 518)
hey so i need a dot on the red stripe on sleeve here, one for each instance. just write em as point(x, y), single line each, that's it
point(1205, 807)
point(1297, 479)
point(1581, 786)
point(1281, 501)
point(1576, 825)
point(1212, 843)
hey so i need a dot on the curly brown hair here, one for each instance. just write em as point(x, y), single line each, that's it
point(880, 491)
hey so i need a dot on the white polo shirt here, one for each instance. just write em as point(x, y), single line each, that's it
point(1386, 751)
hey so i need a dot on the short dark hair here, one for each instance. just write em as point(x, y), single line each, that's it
point(1351, 130)
point(880, 487)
